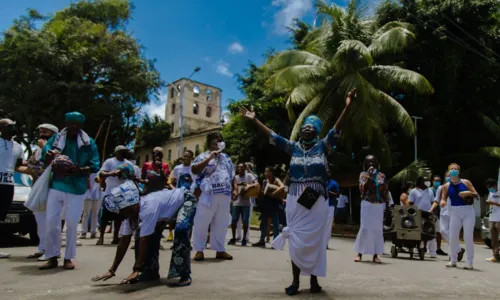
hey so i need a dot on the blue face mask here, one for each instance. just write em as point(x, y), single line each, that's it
point(437, 183)
point(447, 179)
point(491, 190)
point(454, 173)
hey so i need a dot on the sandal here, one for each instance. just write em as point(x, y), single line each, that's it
point(377, 260)
point(184, 281)
point(357, 259)
point(292, 290)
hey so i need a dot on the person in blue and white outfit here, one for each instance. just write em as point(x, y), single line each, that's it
point(306, 202)
point(214, 174)
point(461, 194)
point(79, 158)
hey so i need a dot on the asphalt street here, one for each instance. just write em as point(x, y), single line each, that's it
point(254, 273)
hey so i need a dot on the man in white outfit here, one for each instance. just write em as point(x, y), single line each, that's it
point(36, 166)
point(239, 226)
point(423, 197)
point(11, 158)
point(75, 156)
point(214, 174)
point(91, 206)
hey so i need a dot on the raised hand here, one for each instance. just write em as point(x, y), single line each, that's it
point(350, 95)
point(247, 113)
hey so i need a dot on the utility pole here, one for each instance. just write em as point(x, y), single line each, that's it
point(415, 118)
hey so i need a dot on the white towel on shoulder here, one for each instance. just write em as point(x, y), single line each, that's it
point(60, 139)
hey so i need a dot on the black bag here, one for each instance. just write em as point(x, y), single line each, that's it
point(308, 197)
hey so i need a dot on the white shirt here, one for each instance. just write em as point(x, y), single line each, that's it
point(109, 165)
point(342, 201)
point(155, 207)
point(422, 198)
point(94, 193)
point(495, 210)
point(10, 153)
point(445, 211)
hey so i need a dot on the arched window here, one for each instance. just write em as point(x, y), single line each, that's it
point(209, 111)
point(196, 91)
point(173, 109)
point(209, 94)
point(195, 108)
point(172, 92)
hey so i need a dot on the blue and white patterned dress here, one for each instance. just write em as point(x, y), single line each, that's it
point(306, 227)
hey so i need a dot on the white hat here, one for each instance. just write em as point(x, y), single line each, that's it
point(49, 127)
point(120, 148)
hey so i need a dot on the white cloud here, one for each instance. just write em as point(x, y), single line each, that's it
point(222, 68)
point(156, 107)
point(236, 48)
point(289, 10)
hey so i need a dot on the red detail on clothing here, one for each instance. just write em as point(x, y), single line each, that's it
point(149, 166)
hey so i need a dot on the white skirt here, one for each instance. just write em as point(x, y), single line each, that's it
point(306, 234)
point(370, 239)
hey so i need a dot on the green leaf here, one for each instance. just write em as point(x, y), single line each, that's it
point(393, 41)
point(389, 77)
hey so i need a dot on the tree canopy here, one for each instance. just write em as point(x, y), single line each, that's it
point(82, 58)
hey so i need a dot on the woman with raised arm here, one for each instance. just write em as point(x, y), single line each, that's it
point(307, 205)
point(461, 193)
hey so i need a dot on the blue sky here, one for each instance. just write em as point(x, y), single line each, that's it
point(220, 36)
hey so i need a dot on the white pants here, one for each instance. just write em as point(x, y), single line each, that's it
point(239, 226)
point(462, 216)
point(90, 205)
point(41, 221)
point(444, 227)
point(215, 216)
point(73, 210)
point(329, 224)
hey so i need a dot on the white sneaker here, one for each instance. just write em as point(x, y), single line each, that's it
point(4, 255)
point(78, 243)
point(451, 265)
point(468, 267)
point(42, 258)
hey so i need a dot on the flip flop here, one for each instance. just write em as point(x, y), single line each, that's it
point(184, 282)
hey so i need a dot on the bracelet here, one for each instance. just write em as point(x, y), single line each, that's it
point(112, 272)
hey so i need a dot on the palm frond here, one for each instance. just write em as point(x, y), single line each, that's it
point(291, 77)
point(291, 58)
point(309, 109)
point(393, 41)
point(333, 12)
point(411, 172)
point(301, 95)
point(388, 77)
point(491, 151)
point(352, 53)
point(491, 125)
point(391, 25)
point(396, 111)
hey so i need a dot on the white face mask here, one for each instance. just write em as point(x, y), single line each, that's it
point(428, 184)
point(374, 171)
point(221, 146)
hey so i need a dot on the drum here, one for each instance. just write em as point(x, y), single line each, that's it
point(271, 188)
point(251, 193)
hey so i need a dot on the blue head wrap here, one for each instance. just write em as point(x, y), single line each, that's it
point(75, 117)
point(315, 122)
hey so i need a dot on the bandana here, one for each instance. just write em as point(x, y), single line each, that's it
point(75, 117)
point(127, 171)
point(122, 197)
point(315, 122)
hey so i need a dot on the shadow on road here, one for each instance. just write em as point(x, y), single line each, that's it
point(126, 288)
point(32, 270)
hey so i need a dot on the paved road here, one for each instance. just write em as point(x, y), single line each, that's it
point(254, 274)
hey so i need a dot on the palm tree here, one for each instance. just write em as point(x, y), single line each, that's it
point(342, 54)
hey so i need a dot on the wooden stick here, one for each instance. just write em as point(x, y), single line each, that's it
point(99, 131)
point(106, 138)
point(136, 135)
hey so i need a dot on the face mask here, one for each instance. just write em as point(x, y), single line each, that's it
point(447, 179)
point(454, 173)
point(221, 146)
point(437, 183)
point(374, 171)
point(427, 184)
point(491, 190)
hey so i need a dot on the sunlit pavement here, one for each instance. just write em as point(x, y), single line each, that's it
point(254, 273)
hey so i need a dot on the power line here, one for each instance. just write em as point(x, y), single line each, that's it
point(471, 36)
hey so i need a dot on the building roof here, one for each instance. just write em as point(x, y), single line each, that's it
point(199, 82)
